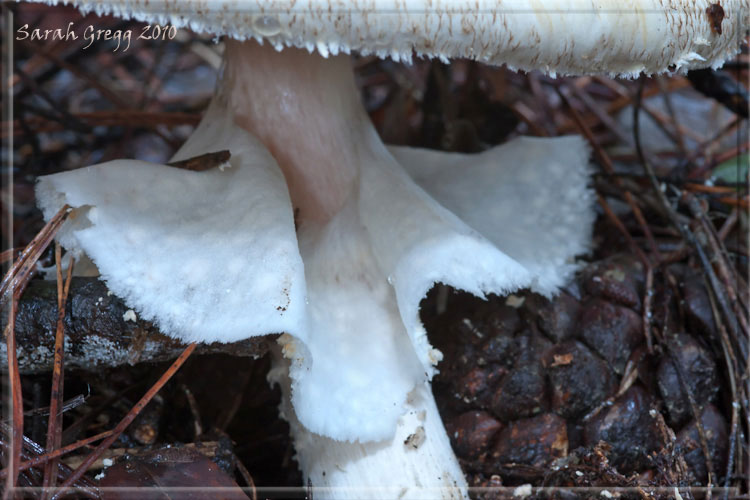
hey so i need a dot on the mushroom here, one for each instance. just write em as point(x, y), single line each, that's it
point(215, 255)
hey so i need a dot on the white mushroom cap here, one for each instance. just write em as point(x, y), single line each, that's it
point(617, 37)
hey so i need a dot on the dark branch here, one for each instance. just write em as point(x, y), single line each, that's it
point(96, 332)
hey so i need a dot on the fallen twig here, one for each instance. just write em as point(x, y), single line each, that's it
point(20, 273)
point(647, 299)
point(54, 421)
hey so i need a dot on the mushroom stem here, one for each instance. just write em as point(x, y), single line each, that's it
point(418, 462)
point(306, 110)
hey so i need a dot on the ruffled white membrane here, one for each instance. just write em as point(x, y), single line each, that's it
point(212, 256)
point(209, 256)
point(367, 270)
point(527, 197)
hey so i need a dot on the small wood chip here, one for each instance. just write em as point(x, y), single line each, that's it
point(561, 359)
point(203, 162)
point(415, 440)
